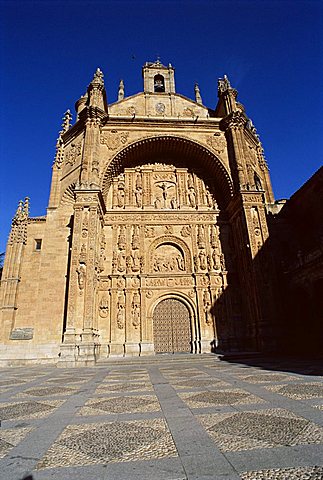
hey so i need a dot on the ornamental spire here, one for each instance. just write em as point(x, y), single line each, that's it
point(96, 91)
point(198, 97)
point(121, 91)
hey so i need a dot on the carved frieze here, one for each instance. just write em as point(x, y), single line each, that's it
point(114, 139)
point(217, 142)
point(72, 153)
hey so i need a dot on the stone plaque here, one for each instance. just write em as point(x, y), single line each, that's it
point(22, 334)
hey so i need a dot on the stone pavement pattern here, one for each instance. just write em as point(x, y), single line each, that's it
point(169, 418)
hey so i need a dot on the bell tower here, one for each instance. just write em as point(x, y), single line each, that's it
point(158, 78)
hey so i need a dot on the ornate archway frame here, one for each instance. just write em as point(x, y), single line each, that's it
point(151, 148)
point(177, 242)
point(186, 300)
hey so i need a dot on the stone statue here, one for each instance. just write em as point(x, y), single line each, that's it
point(121, 262)
point(81, 272)
point(104, 307)
point(202, 258)
point(121, 315)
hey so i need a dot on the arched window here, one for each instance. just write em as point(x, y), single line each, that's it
point(159, 83)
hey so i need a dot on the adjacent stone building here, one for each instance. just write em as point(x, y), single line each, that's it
point(151, 241)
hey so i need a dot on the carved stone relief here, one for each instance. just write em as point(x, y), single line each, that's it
point(114, 139)
point(168, 258)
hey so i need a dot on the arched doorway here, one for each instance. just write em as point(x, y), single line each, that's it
point(172, 327)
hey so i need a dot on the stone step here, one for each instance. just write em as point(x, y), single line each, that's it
point(160, 358)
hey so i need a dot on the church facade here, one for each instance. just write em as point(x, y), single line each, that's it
point(154, 237)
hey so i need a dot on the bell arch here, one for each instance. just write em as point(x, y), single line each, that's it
point(179, 151)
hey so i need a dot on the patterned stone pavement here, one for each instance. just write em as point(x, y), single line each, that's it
point(168, 418)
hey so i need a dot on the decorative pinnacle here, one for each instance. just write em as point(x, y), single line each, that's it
point(121, 91)
point(66, 121)
point(98, 77)
point(198, 97)
point(224, 84)
point(22, 212)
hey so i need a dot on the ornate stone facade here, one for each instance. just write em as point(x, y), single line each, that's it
point(157, 212)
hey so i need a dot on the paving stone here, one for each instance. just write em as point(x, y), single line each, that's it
point(225, 397)
point(110, 442)
point(47, 391)
point(124, 387)
point(200, 383)
point(262, 429)
point(301, 473)
point(267, 377)
point(11, 437)
point(28, 410)
point(299, 391)
point(128, 404)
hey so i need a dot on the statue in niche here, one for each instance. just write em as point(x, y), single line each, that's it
point(122, 239)
point(81, 274)
point(207, 307)
point(138, 196)
point(209, 199)
point(209, 263)
point(216, 258)
point(200, 236)
point(135, 261)
point(104, 307)
point(135, 310)
point(121, 262)
point(190, 181)
point(121, 314)
point(222, 262)
point(121, 192)
point(202, 258)
point(192, 197)
point(135, 238)
point(196, 262)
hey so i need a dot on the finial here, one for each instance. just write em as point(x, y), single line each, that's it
point(22, 211)
point(198, 97)
point(98, 77)
point(66, 121)
point(224, 84)
point(26, 207)
point(121, 91)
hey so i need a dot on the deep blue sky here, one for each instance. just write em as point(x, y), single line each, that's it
point(271, 51)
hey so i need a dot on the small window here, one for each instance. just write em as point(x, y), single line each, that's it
point(38, 243)
point(159, 83)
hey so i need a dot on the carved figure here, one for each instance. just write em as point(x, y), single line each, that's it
point(81, 273)
point(207, 307)
point(121, 315)
point(157, 203)
point(180, 263)
point(173, 203)
point(138, 196)
point(135, 261)
point(192, 197)
point(216, 259)
point(202, 258)
point(120, 192)
point(121, 262)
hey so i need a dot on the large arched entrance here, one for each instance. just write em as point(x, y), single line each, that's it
point(172, 327)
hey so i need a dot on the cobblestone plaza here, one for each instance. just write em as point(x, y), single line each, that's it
point(166, 418)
